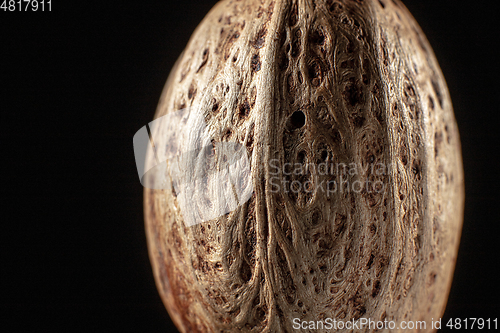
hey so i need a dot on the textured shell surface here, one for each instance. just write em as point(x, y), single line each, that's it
point(354, 160)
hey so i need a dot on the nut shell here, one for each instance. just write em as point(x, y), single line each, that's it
point(300, 83)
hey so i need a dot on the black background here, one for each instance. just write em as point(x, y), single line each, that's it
point(79, 81)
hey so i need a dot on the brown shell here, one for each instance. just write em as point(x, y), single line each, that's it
point(311, 81)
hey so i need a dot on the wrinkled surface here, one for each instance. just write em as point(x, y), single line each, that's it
point(310, 82)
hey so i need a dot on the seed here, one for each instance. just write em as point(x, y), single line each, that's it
point(340, 177)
